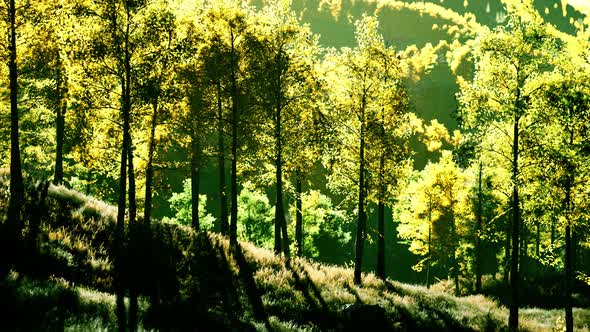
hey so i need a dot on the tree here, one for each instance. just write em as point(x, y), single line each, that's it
point(374, 126)
point(436, 213)
point(230, 19)
point(567, 154)
point(9, 14)
point(113, 39)
point(507, 63)
point(156, 87)
point(284, 50)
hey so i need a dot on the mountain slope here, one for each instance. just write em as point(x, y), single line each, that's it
point(63, 278)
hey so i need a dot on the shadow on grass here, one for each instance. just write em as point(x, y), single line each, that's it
point(319, 313)
point(40, 305)
point(246, 275)
point(434, 313)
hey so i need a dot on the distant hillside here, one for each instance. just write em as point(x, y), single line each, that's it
point(61, 276)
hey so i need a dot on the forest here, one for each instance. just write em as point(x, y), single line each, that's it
point(220, 164)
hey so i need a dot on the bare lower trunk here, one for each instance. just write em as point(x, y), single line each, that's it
point(507, 242)
point(58, 176)
point(298, 214)
point(381, 240)
point(514, 276)
point(233, 227)
point(16, 177)
point(478, 230)
point(224, 226)
point(133, 293)
point(195, 172)
point(362, 217)
point(429, 243)
point(569, 318)
point(281, 242)
point(149, 172)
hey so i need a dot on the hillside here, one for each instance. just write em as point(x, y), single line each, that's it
point(61, 277)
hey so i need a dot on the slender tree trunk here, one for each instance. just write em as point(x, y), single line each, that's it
point(523, 252)
point(133, 293)
point(131, 194)
point(569, 318)
point(478, 231)
point(362, 217)
point(16, 177)
point(298, 214)
point(507, 249)
point(224, 226)
point(120, 226)
point(60, 119)
point(381, 229)
point(281, 243)
point(429, 242)
point(514, 277)
point(195, 174)
point(538, 239)
point(454, 253)
point(149, 172)
point(233, 228)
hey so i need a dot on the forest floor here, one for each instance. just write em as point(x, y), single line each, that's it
point(66, 283)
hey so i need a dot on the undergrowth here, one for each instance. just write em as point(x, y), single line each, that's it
point(63, 280)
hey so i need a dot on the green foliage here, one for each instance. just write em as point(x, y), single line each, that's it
point(255, 217)
point(181, 206)
point(326, 229)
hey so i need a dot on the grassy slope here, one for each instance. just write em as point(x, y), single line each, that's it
point(249, 285)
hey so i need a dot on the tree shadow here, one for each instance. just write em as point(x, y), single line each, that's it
point(352, 290)
point(246, 276)
point(319, 312)
point(433, 313)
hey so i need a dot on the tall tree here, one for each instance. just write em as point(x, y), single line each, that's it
point(507, 63)
point(156, 87)
point(357, 72)
point(16, 177)
point(567, 156)
point(285, 50)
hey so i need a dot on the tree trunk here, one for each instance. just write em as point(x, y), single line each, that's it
point(514, 277)
point(60, 119)
point(133, 293)
point(233, 228)
point(523, 252)
point(362, 217)
point(131, 194)
point(429, 243)
point(538, 239)
point(478, 231)
point(454, 253)
point(120, 226)
point(298, 214)
point(17, 191)
point(281, 242)
point(381, 239)
point(224, 226)
point(149, 172)
point(195, 174)
point(507, 249)
point(569, 318)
